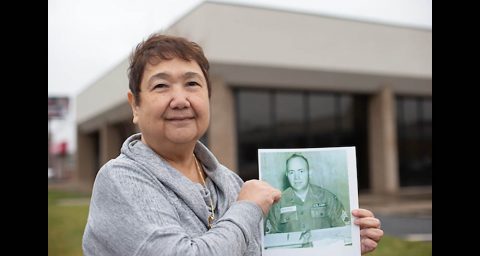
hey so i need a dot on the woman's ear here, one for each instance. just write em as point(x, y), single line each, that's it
point(133, 105)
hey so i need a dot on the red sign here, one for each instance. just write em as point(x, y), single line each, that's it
point(59, 148)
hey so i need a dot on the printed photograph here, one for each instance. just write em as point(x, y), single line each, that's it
point(319, 189)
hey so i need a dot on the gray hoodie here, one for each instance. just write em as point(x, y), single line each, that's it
point(141, 205)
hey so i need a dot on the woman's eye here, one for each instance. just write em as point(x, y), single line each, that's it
point(192, 83)
point(159, 86)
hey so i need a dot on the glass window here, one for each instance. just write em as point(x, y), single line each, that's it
point(427, 118)
point(346, 113)
point(289, 108)
point(289, 114)
point(299, 119)
point(254, 113)
point(353, 131)
point(321, 119)
point(414, 127)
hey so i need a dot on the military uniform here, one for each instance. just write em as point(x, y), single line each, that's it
point(321, 209)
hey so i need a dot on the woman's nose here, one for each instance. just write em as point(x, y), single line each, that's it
point(179, 98)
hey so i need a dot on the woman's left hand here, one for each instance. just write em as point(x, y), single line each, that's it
point(370, 232)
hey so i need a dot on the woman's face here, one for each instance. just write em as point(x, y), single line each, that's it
point(174, 104)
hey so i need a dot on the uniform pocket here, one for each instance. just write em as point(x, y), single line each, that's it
point(288, 216)
point(319, 210)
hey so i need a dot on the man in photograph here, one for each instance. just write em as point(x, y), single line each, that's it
point(304, 206)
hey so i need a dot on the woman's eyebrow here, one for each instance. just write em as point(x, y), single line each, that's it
point(161, 75)
point(192, 75)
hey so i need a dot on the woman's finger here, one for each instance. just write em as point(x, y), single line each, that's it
point(374, 234)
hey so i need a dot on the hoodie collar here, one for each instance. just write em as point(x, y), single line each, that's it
point(172, 179)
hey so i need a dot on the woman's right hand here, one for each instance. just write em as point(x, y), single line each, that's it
point(260, 193)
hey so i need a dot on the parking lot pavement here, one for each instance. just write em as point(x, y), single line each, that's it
point(406, 215)
point(412, 228)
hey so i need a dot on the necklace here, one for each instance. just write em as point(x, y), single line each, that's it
point(211, 217)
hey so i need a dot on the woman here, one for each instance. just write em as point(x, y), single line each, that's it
point(166, 193)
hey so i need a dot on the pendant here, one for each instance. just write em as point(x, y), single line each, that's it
point(211, 218)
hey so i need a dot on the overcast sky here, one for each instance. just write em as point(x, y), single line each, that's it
point(89, 37)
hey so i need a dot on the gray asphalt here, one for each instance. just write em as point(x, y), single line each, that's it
point(417, 228)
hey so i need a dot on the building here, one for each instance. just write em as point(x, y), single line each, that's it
point(286, 79)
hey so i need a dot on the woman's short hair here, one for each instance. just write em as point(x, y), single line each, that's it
point(158, 47)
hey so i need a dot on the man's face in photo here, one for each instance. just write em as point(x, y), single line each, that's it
point(297, 173)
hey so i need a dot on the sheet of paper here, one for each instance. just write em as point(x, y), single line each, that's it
point(319, 190)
